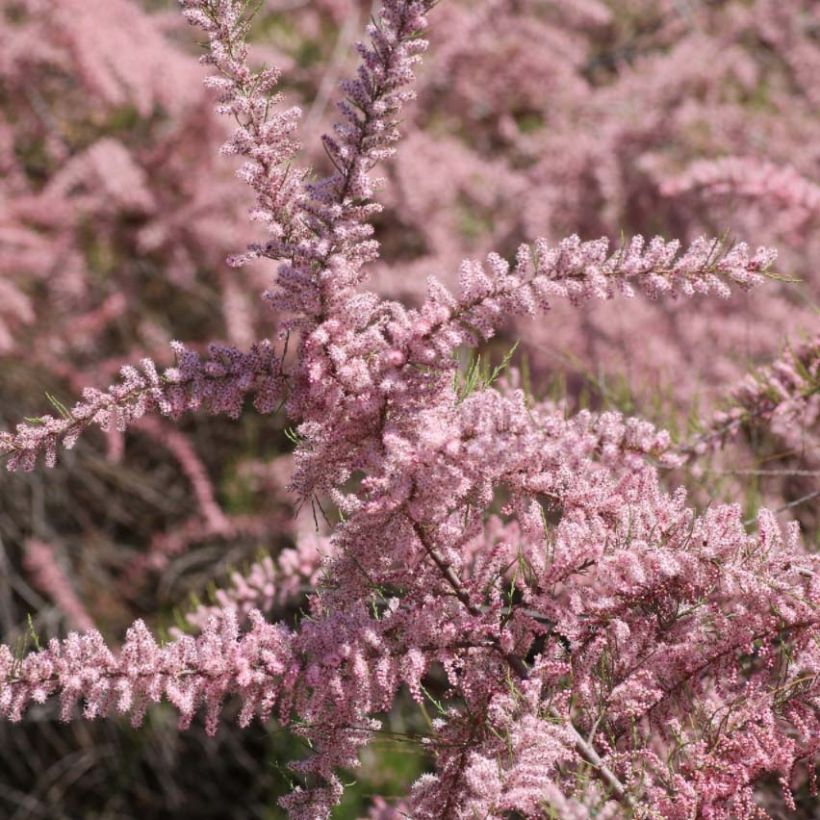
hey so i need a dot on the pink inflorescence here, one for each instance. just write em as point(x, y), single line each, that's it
point(602, 647)
point(220, 383)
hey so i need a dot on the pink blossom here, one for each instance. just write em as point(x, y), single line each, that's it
point(608, 649)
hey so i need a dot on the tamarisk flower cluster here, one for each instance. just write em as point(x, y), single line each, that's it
point(533, 123)
point(220, 383)
point(784, 397)
point(189, 672)
point(268, 584)
point(371, 366)
point(599, 645)
point(266, 136)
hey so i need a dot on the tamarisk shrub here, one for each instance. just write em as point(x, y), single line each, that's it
point(606, 650)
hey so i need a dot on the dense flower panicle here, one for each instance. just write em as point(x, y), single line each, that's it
point(321, 224)
point(219, 383)
point(269, 583)
point(265, 136)
point(575, 270)
point(361, 361)
point(711, 559)
point(517, 770)
point(604, 648)
point(318, 275)
point(400, 340)
point(189, 672)
point(583, 136)
point(579, 271)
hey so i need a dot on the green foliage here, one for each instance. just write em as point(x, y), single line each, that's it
point(480, 373)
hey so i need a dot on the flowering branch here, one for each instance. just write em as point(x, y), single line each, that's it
point(580, 271)
point(219, 383)
point(265, 136)
point(785, 394)
point(583, 616)
point(584, 748)
point(189, 672)
point(338, 207)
